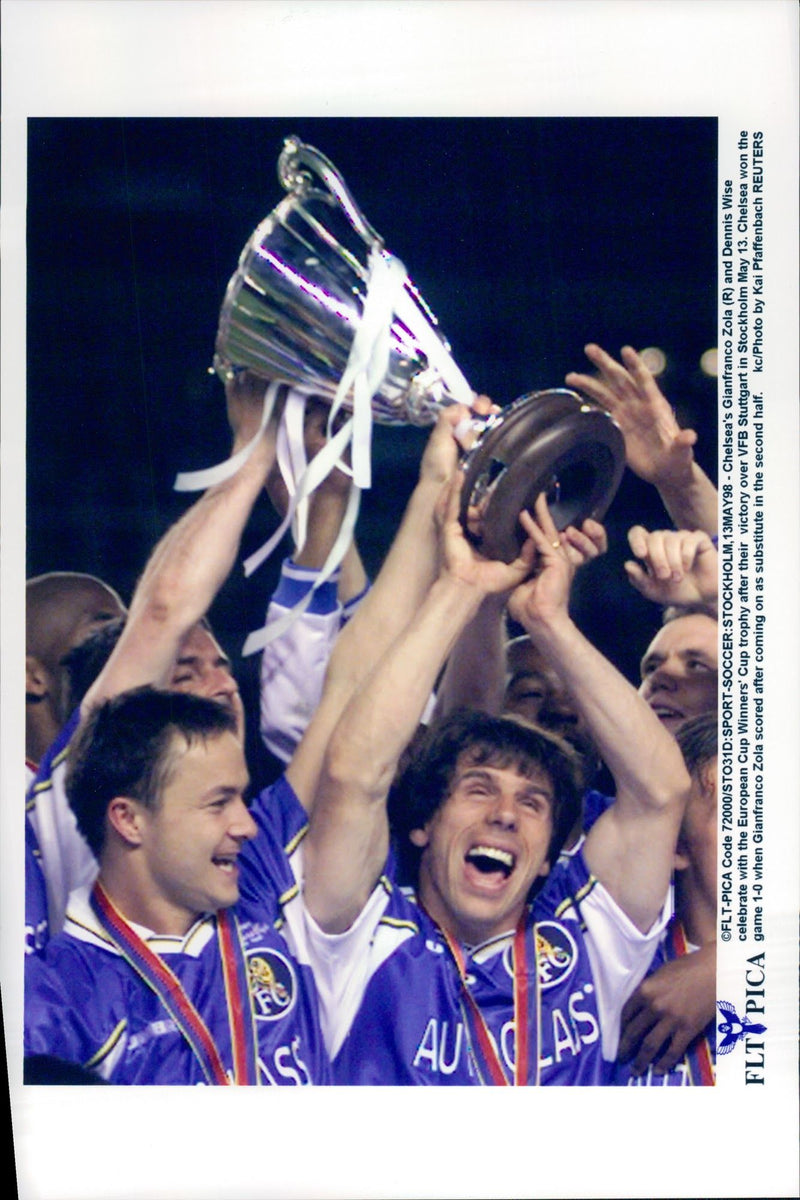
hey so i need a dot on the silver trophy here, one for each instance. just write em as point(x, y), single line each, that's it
point(291, 313)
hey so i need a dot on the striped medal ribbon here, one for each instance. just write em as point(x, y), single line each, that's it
point(698, 1055)
point(152, 969)
point(494, 1072)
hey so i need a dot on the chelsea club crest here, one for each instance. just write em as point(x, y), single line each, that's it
point(273, 986)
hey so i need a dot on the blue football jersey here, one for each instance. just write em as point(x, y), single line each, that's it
point(86, 1004)
point(697, 1067)
point(37, 925)
point(398, 1012)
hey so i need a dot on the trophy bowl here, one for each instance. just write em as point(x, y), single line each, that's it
point(552, 442)
point(293, 312)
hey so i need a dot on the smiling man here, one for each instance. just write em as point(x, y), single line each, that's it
point(679, 668)
point(162, 975)
point(60, 859)
point(165, 641)
point(477, 976)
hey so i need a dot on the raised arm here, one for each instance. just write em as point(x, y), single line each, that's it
point(326, 507)
point(293, 664)
point(476, 671)
point(192, 560)
point(348, 840)
point(403, 581)
point(656, 448)
point(475, 675)
point(630, 848)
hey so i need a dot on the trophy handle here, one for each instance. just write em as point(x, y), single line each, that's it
point(294, 156)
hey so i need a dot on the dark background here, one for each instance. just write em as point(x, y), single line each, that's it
point(527, 238)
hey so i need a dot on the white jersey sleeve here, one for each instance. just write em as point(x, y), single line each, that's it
point(66, 860)
point(293, 665)
point(343, 963)
point(619, 953)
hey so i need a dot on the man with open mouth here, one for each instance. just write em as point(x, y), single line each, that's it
point(163, 974)
point(503, 966)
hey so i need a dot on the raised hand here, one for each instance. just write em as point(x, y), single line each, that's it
point(450, 436)
point(584, 544)
point(244, 397)
point(461, 559)
point(656, 448)
point(545, 596)
point(668, 1010)
point(677, 566)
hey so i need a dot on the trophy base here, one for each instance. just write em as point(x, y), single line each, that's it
point(553, 442)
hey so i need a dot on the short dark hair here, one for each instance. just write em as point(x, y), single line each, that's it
point(697, 738)
point(84, 662)
point(423, 784)
point(672, 612)
point(124, 750)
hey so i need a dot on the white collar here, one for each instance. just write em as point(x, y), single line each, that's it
point(81, 923)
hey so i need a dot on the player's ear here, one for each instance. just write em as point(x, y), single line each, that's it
point(681, 858)
point(125, 818)
point(708, 780)
point(419, 837)
point(37, 678)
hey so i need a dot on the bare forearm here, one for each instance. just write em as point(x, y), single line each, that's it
point(692, 501)
point(195, 556)
point(641, 755)
point(181, 579)
point(347, 842)
point(396, 594)
point(476, 669)
point(401, 584)
point(631, 848)
point(353, 577)
point(385, 711)
point(325, 514)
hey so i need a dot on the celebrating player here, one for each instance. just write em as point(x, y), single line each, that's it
point(473, 981)
point(159, 975)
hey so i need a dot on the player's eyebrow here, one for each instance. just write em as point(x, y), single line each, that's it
point(654, 659)
point(226, 791)
point(186, 660)
point(192, 660)
point(532, 786)
point(475, 773)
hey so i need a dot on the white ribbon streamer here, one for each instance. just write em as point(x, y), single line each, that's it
point(318, 469)
point(199, 481)
point(293, 462)
point(368, 360)
point(260, 638)
point(366, 369)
